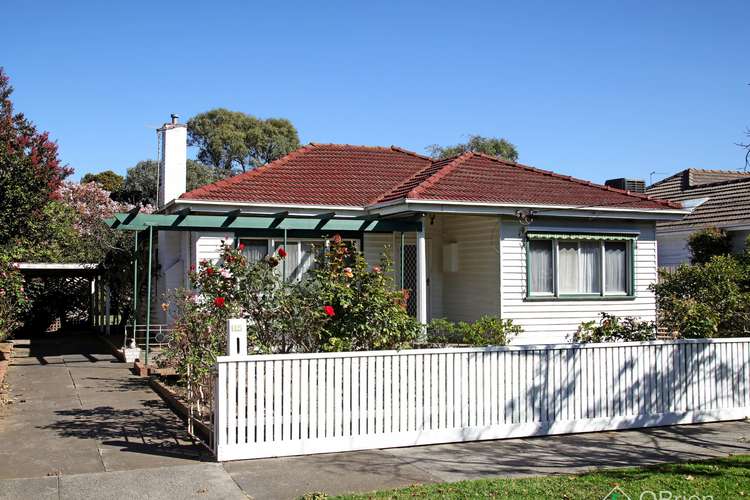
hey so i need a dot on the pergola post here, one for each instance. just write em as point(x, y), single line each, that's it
point(148, 293)
point(135, 289)
point(92, 299)
point(421, 275)
point(107, 308)
point(283, 261)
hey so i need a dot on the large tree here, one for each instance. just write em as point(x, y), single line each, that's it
point(141, 180)
point(492, 146)
point(232, 141)
point(30, 171)
point(108, 180)
point(746, 147)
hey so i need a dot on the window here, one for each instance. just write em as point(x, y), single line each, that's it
point(588, 267)
point(300, 253)
point(255, 250)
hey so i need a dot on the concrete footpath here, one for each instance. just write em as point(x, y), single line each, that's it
point(81, 426)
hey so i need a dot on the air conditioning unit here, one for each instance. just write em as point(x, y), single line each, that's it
point(634, 185)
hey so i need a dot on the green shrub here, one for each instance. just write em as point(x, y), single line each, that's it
point(707, 243)
point(442, 331)
point(13, 298)
point(487, 330)
point(612, 328)
point(706, 300)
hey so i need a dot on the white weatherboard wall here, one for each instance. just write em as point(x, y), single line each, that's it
point(208, 245)
point(292, 404)
point(546, 322)
point(474, 289)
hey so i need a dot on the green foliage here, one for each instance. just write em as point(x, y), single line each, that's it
point(50, 237)
point(108, 180)
point(30, 171)
point(706, 243)
point(487, 330)
point(706, 300)
point(492, 146)
point(13, 299)
point(365, 312)
point(140, 183)
point(232, 141)
point(612, 328)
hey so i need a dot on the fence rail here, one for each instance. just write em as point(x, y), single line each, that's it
point(292, 404)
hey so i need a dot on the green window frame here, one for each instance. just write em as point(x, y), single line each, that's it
point(569, 241)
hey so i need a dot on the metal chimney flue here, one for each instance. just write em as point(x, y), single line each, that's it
point(175, 118)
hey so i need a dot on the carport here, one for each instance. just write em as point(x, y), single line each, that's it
point(69, 296)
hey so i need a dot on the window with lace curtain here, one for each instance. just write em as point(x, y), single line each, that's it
point(589, 267)
point(300, 256)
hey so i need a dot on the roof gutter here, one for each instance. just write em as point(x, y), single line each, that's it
point(448, 206)
point(262, 206)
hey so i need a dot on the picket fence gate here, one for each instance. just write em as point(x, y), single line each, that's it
point(293, 404)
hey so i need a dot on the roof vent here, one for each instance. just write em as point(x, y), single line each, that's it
point(634, 185)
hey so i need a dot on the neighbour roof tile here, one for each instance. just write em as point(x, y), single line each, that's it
point(726, 193)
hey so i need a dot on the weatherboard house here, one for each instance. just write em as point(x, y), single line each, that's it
point(470, 235)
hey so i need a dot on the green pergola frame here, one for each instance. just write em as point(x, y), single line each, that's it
point(243, 224)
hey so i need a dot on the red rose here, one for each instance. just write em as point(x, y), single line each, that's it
point(209, 271)
point(329, 310)
point(219, 301)
point(241, 247)
point(282, 252)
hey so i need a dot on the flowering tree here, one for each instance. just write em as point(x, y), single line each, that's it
point(30, 171)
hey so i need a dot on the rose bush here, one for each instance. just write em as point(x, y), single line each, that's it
point(364, 309)
point(340, 305)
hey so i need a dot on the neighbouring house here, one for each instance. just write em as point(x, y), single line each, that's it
point(718, 198)
point(469, 236)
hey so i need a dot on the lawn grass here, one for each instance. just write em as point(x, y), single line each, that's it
point(718, 478)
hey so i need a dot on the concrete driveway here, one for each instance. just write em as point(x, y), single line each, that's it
point(81, 426)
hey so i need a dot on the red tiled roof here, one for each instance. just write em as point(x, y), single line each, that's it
point(334, 174)
point(320, 174)
point(474, 177)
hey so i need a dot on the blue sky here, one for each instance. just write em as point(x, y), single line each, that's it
point(593, 89)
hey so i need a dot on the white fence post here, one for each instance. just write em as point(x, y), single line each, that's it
point(236, 337)
point(295, 404)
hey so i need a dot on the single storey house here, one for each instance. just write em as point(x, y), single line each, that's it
point(718, 198)
point(470, 235)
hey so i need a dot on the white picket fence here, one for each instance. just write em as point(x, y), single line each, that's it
point(293, 404)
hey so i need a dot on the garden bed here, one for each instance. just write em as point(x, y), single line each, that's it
point(6, 349)
point(174, 397)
